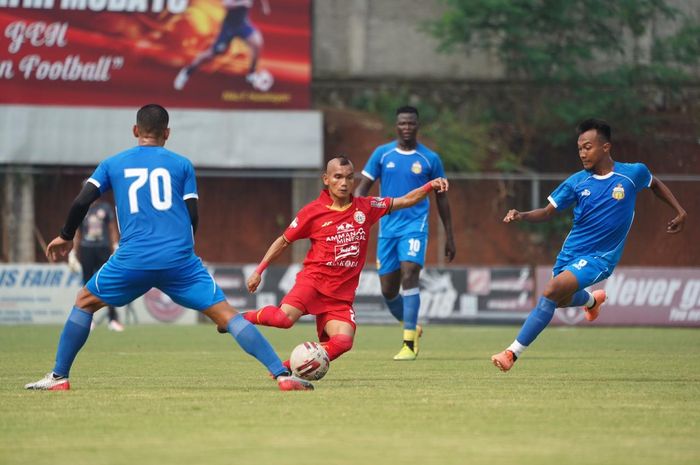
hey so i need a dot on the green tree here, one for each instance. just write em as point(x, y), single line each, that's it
point(566, 60)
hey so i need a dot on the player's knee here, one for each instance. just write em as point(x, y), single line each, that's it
point(282, 320)
point(342, 343)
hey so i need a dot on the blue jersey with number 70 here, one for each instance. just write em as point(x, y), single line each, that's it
point(150, 185)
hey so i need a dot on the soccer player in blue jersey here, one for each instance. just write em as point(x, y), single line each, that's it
point(401, 166)
point(235, 24)
point(155, 192)
point(603, 195)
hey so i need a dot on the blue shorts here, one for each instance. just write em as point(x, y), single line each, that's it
point(391, 251)
point(189, 285)
point(235, 24)
point(588, 269)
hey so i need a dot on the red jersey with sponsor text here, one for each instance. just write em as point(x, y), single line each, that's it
point(339, 241)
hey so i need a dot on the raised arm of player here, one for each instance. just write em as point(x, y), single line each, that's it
point(538, 215)
point(664, 193)
point(416, 195)
point(62, 245)
point(274, 251)
point(363, 187)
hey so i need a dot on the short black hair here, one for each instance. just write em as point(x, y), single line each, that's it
point(152, 119)
point(343, 160)
point(601, 127)
point(407, 109)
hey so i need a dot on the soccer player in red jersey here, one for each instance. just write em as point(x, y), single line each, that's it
point(338, 225)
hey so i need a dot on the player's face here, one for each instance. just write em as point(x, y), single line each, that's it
point(340, 180)
point(592, 149)
point(407, 127)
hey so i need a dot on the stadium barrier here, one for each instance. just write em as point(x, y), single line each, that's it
point(44, 294)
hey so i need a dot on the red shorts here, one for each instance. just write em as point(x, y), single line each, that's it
point(307, 299)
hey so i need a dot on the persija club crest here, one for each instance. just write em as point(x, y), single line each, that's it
point(359, 217)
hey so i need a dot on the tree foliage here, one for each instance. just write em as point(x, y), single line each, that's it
point(567, 60)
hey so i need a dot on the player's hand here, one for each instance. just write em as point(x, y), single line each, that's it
point(253, 281)
point(512, 215)
point(440, 185)
point(450, 249)
point(58, 248)
point(676, 225)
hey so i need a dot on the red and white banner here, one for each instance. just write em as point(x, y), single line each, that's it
point(640, 296)
point(124, 53)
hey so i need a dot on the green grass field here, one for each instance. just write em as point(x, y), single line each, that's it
point(186, 395)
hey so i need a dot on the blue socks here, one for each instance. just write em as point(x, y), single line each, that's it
point(580, 298)
point(253, 342)
point(411, 305)
point(538, 319)
point(396, 307)
point(75, 333)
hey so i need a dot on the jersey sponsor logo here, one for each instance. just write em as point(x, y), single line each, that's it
point(295, 223)
point(345, 237)
point(378, 202)
point(618, 193)
point(327, 223)
point(359, 217)
point(417, 168)
point(347, 250)
point(585, 193)
point(391, 164)
point(344, 227)
point(580, 264)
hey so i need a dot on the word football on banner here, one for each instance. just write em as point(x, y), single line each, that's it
point(207, 54)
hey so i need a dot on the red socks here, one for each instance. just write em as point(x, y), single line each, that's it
point(337, 345)
point(269, 316)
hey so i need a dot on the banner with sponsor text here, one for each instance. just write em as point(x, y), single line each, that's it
point(205, 54)
point(44, 294)
point(640, 297)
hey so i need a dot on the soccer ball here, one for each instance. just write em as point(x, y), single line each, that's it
point(309, 361)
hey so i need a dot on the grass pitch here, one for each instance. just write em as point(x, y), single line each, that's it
point(186, 395)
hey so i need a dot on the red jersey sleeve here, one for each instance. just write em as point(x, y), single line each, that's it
point(377, 207)
point(300, 227)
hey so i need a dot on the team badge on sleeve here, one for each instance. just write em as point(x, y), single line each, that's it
point(618, 192)
point(295, 223)
point(378, 202)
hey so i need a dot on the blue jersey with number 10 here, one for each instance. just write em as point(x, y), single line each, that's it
point(150, 185)
point(400, 172)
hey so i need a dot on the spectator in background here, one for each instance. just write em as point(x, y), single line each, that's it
point(94, 242)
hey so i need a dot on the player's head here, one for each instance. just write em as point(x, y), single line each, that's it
point(152, 122)
point(594, 142)
point(407, 124)
point(339, 177)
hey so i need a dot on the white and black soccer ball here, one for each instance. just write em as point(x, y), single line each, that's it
point(263, 80)
point(309, 361)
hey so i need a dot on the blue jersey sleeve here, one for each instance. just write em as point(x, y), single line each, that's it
point(100, 178)
point(438, 168)
point(641, 176)
point(373, 168)
point(563, 196)
point(190, 190)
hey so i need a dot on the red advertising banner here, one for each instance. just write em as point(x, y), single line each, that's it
point(214, 54)
point(640, 296)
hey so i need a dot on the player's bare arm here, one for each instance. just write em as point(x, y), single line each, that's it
point(664, 193)
point(443, 206)
point(274, 251)
point(439, 185)
point(364, 186)
point(538, 215)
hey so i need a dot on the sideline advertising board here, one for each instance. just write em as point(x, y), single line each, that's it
point(640, 297)
point(44, 294)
